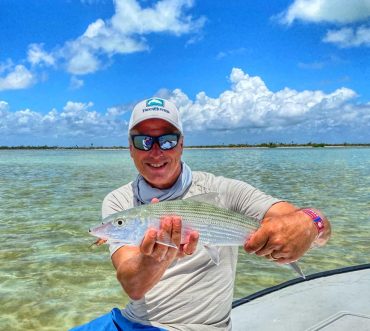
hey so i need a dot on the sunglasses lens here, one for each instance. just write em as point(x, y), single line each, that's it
point(168, 141)
point(143, 143)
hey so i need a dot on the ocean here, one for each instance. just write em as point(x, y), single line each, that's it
point(50, 279)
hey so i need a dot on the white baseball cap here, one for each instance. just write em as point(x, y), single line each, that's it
point(155, 108)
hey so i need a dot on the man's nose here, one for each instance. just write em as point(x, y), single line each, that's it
point(155, 149)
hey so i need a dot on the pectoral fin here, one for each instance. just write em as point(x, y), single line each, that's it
point(213, 254)
point(165, 243)
point(212, 198)
point(297, 269)
point(164, 238)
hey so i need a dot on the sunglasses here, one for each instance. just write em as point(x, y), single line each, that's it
point(165, 141)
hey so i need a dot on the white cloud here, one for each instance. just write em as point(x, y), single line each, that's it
point(349, 37)
point(164, 16)
point(247, 108)
point(18, 77)
point(76, 83)
point(3, 109)
point(37, 56)
point(6, 66)
point(3, 105)
point(77, 119)
point(333, 11)
point(231, 52)
point(125, 32)
point(83, 62)
point(3, 117)
point(250, 105)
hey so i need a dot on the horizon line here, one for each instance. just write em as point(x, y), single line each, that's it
point(268, 145)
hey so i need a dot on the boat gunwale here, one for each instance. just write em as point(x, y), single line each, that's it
point(259, 294)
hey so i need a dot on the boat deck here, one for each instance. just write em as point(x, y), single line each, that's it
point(336, 300)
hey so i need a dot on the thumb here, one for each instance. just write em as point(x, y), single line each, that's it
point(154, 200)
point(256, 241)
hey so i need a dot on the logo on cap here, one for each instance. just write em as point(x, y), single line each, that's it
point(155, 102)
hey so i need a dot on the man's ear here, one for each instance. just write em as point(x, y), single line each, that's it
point(131, 148)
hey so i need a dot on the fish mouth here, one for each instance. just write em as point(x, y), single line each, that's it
point(100, 231)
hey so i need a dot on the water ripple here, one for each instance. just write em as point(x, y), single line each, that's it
point(51, 280)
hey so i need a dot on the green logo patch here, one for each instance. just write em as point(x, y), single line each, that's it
point(155, 102)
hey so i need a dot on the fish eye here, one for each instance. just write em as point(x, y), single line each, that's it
point(119, 221)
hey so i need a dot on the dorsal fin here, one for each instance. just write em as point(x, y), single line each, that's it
point(213, 198)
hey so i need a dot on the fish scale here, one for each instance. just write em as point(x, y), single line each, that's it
point(216, 226)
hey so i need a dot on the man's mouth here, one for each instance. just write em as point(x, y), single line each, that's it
point(157, 165)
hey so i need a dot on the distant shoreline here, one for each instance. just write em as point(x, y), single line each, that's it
point(230, 146)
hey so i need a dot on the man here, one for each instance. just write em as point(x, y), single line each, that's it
point(183, 289)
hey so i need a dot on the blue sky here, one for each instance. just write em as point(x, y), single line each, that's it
point(239, 71)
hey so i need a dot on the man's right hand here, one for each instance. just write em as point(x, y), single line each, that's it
point(170, 228)
point(140, 268)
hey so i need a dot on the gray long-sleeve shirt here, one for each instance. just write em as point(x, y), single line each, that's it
point(194, 294)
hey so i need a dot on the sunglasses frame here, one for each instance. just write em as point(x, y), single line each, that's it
point(155, 140)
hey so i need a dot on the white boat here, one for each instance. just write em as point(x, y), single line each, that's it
point(335, 300)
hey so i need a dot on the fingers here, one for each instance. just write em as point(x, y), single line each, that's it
point(170, 227)
point(278, 257)
point(270, 247)
point(163, 235)
point(190, 247)
point(176, 230)
point(256, 241)
point(264, 243)
point(170, 231)
point(278, 239)
point(159, 252)
point(147, 245)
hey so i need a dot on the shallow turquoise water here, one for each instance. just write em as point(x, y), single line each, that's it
point(51, 280)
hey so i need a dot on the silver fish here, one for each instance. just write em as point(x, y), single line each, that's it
point(217, 226)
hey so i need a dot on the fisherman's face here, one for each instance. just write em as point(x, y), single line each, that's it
point(160, 168)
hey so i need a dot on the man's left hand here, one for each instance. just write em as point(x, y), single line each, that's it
point(283, 239)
